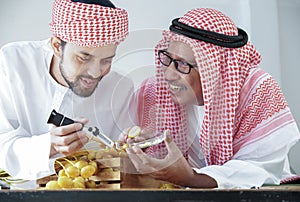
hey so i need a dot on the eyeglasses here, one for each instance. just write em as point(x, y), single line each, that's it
point(180, 65)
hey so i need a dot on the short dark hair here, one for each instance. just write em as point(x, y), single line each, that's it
point(63, 44)
point(106, 3)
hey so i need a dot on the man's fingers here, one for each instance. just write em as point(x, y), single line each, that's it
point(69, 149)
point(69, 144)
point(140, 160)
point(134, 158)
point(82, 120)
point(167, 136)
point(138, 139)
point(65, 130)
point(123, 136)
point(173, 150)
point(68, 139)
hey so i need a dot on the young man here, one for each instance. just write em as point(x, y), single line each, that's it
point(71, 73)
point(228, 122)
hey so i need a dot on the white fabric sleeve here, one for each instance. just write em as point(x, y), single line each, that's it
point(259, 163)
point(239, 174)
point(23, 156)
point(27, 157)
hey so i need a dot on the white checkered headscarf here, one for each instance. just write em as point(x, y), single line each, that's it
point(88, 25)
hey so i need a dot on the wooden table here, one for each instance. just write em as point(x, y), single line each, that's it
point(153, 195)
point(144, 188)
point(140, 188)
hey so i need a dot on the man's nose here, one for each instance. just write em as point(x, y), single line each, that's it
point(96, 70)
point(171, 73)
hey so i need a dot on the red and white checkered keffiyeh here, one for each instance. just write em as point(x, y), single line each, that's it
point(88, 25)
point(236, 98)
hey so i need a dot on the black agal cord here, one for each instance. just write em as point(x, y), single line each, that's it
point(210, 37)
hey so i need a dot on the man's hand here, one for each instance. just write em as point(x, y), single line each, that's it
point(124, 139)
point(68, 139)
point(173, 168)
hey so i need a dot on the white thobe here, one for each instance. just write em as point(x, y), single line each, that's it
point(264, 162)
point(28, 94)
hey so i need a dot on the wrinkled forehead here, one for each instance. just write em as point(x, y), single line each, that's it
point(181, 50)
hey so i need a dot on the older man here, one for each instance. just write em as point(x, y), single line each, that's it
point(229, 124)
point(70, 72)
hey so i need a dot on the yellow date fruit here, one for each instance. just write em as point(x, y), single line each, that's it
point(79, 179)
point(53, 184)
point(90, 184)
point(80, 164)
point(62, 173)
point(134, 131)
point(65, 182)
point(78, 185)
point(72, 171)
point(87, 171)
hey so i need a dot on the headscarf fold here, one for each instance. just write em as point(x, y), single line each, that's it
point(88, 25)
point(223, 72)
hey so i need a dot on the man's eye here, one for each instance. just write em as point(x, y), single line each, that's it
point(182, 63)
point(82, 59)
point(106, 62)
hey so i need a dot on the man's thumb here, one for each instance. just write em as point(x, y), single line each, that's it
point(170, 144)
point(167, 136)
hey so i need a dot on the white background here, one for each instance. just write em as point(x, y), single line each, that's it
point(273, 27)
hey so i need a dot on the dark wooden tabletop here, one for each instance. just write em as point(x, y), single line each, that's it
point(144, 188)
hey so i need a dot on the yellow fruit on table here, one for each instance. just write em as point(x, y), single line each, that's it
point(72, 171)
point(125, 146)
point(80, 164)
point(134, 131)
point(78, 185)
point(87, 171)
point(62, 173)
point(93, 163)
point(53, 184)
point(106, 170)
point(79, 179)
point(76, 171)
point(68, 164)
point(90, 184)
point(65, 182)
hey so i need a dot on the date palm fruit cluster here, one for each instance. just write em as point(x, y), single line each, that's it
point(74, 175)
point(75, 171)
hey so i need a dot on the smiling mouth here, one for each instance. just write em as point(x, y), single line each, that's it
point(176, 88)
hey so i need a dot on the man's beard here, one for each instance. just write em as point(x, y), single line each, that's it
point(75, 85)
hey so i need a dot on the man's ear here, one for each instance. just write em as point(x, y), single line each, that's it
point(56, 46)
